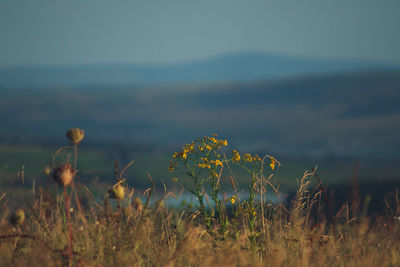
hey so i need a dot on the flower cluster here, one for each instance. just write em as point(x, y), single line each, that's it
point(236, 156)
point(210, 163)
point(204, 164)
point(253, 159)
point(233, 199)
point(249, 158)
point(183, 154)
point(204, 147)
point(216, 162)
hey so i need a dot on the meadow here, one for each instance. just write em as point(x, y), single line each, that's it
point(58, 220)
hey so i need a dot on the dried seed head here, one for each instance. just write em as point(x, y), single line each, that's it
point(117, 191)
point(75, 135)
point(18, 217)
point(64, 174)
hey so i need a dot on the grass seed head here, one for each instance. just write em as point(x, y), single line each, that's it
point(75, 135)
point(64, 174)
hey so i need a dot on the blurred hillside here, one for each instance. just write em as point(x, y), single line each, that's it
point(305, 112)
point(351, 114)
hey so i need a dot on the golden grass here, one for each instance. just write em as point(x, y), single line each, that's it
point(156, 236)
point(122, 231)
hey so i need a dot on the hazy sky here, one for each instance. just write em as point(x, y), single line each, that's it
point(91, 31)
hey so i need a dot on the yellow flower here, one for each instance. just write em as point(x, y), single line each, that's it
point(75, 135)
point(217, 162)
point(236, 156)
point(233, 199)
point(272, 164)
point(257, 158)
point(247, 157)
point(204, 165)
point(208, 147)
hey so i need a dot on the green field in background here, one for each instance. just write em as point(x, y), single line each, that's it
point(97, 165)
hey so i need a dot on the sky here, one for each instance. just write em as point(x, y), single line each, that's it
point(62, 32)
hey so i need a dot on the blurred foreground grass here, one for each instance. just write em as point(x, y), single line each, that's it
point(69, 226)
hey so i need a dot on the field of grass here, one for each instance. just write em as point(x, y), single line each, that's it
point(229, 223)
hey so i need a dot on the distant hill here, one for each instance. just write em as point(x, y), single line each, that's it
point(343, 114)
point(233, 67)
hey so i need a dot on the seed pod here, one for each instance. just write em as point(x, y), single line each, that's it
point(117, 191)
point(75, 135)
point(64, 174)
point(18, 217)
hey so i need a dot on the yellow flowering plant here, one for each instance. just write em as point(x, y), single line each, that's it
point(254, 165)
point(201, 161)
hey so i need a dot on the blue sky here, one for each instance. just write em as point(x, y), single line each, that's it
point(93, 31)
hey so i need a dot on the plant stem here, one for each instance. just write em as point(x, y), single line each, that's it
point(74, 191)
point(68, 212)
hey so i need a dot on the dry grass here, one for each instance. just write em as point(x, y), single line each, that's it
point(158, 236)
point(125, 232)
